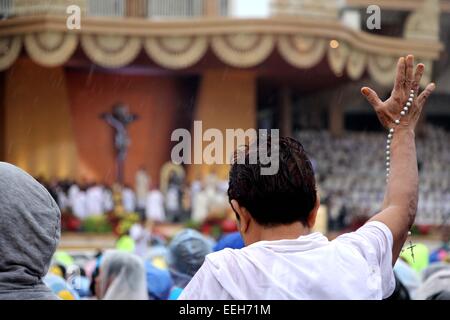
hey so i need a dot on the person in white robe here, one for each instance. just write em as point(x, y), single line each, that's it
point(141, 186)
point(154, 209)
point(94, 200)
point(63, 200)
point(200, 207)
point(71, 194)
point(107, 199)
point(173, 203)
point(79, 205)
point(128, 199)
point(196, 187)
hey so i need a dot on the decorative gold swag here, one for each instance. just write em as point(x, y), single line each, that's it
point(52, 48)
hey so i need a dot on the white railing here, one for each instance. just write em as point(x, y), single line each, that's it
point(249, 8)
point(9, 8)
point(314, 8)
point(107, 8)
point(159, 9)
point(6, 7)
point(175, 8)
point(224, 7)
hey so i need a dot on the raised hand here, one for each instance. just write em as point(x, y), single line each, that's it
point(406, 83)
point(400, 111)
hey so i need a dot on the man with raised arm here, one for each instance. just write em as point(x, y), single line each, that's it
point(282, 258)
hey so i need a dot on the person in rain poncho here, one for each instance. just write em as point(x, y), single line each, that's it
point(276, 204)
point(232, 240)
point(159, 282)
point(433, 268)
point(187, 252)
point(29, 234)
point(122, 276)
point(407, 276)
point(436, 284)
point(60, 287)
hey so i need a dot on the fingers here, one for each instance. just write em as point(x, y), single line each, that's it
point(418, 76)
point(400, 77)
point(371, 96)
point(425, 94)
point(409, 70)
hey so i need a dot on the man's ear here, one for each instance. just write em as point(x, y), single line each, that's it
point(313, 215)
point(243, 214)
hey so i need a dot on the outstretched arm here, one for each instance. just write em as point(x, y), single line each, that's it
point(401, 197)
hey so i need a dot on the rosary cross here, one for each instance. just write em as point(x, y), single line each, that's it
point(411, 247)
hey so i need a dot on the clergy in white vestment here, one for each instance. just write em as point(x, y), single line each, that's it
point(107, 199)
point(128, 199)
point(200, 207)
point(154, 209)
point(141, 186)
point(196, 187)
point(94, 200)
point(79, 205)
point(71, 194)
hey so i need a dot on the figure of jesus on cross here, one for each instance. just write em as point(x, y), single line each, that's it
point(119, 119)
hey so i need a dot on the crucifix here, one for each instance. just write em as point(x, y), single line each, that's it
point(411, 247)
point(119, 119)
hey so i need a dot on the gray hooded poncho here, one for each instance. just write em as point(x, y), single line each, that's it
point(29, 235)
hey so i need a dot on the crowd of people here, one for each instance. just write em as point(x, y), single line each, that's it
point(160, 272)
point(179, 202)
point(351, 174)
point(166, 269)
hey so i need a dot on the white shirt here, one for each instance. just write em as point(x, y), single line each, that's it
point(355, 265)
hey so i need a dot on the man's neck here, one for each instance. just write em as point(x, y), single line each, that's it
point(281, 232)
